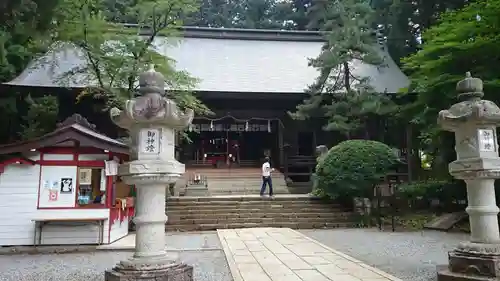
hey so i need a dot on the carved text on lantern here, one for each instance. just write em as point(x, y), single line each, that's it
point(486, 140)
point(150, 141)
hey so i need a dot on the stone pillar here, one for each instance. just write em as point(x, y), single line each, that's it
point(474, 122)
point(152, 120)
point(321, 152)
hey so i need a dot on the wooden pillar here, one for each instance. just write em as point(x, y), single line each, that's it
point(285, 161)
point(409, 152)
point(315, 140)
point(280, 144)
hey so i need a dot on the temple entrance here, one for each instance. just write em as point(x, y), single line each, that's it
point(230, 144)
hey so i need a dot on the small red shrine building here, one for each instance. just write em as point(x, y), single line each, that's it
point(62, 188)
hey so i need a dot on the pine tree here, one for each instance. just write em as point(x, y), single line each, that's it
point(346, 99)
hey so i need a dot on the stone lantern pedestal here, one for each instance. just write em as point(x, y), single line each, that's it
point(474, 123)
point(152, 120)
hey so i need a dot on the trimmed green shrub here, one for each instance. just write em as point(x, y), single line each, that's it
point(352, 168)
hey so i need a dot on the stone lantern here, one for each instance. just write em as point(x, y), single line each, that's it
point(151, 120)
point(474, 122)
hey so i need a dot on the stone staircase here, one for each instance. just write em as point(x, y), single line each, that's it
point(235, 181)
point(219, 212)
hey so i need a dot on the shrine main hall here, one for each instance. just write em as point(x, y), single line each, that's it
point(250, 79)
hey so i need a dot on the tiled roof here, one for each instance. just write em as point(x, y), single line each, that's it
point(226, 64)
point(75, 128)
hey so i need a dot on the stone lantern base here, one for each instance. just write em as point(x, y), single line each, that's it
point(472, 261)
point(169, 272)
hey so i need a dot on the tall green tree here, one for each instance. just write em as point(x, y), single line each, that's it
point(41, 117)
point(215, 13)
point(346, 99)
point(404, 22)
point(262, 14)
point(117, 54)
point(251, 14)
point(117, 11)
point(25, 29)
point(461, 41)
point(299, 13)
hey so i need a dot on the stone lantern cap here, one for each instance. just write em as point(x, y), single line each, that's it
point(151, 81)
point(151, 107)
point(470, 87)
point(472, 110)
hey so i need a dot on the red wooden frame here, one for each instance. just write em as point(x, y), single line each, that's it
point(15, 160)
point(76, 151)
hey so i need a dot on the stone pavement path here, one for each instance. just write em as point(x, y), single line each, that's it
point(282, 254)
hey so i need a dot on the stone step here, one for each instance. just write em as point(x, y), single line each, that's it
point(216, 202)
point(244, 191)
point(294, 211)
point(254, 220)
point(280, 208)
point(248, 210)
point(249, 203)
point(328, 215)
point(252, 190)
point(293, 225)
point(256, 197)
point(233, 176)
point(252, 208)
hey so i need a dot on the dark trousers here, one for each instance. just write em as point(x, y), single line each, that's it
point(266, 181)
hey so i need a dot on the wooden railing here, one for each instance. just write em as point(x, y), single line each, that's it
point(299, 166)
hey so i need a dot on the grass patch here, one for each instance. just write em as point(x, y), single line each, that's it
point(410, 222)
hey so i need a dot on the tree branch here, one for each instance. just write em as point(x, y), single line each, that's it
point(156, 28)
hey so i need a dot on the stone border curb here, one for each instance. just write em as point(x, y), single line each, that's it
point(233, 268)
point(37, 250)
point(12, 251)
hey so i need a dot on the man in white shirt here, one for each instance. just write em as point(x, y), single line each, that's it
point(266, 177)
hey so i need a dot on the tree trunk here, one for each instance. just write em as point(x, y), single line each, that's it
point(347, 75)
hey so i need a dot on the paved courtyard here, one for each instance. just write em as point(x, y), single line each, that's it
point(408, 256)
point(283, 254)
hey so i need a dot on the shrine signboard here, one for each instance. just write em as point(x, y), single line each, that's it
point(486, 140)
point(149, 141)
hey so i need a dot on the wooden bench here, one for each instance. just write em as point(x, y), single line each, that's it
point(40, 223)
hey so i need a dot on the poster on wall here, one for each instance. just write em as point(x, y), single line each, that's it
point(103, 181)
point(53, 195)
point(46, 184)
point(85, 176)
point(111, 168)
point(55, 185)
point(66, 185)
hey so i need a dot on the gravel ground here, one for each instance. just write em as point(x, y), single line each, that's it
point(411, 256)
point(208, 265)
point(193, 240)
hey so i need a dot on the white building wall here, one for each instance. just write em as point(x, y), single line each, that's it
point(67, 157)
point(18, 200)
point(18, 208)
point(90, 157)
